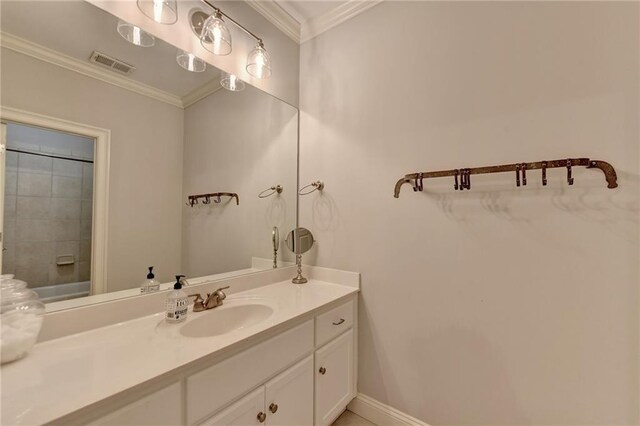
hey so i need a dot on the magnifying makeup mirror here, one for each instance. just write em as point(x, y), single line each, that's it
point(299, 241)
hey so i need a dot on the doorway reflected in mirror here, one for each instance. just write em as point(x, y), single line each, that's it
point(48, 203)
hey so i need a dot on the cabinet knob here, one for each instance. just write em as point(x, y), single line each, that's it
point(262, 417)
point(322, 370)
point(273, 407)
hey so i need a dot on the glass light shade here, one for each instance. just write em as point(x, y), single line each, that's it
point(259, 62)
point(190, 62)
point(135, 35)
point(161, 11)
point(231, 82)
point(215, 36)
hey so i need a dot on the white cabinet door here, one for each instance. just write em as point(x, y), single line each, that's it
point(215, 387)
point(290, 396)
point(247, 411)
point(163, 407)
point(334, 381)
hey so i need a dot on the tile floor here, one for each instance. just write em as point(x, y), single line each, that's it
point(349, 419)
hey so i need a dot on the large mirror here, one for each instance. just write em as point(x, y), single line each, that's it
point(117, 159)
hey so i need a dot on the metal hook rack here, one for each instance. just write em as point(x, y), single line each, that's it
point(274, 190)
point(315, 186)
point(464, 175)
point(213, 196)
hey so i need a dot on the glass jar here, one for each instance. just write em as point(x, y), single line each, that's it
point(21, 315)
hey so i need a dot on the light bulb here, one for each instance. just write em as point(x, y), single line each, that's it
point(136, 36)
point(259, 62)
point(157, 10)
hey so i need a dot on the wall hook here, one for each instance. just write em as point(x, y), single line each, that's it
point(416, 179)
point(315, 186)
point(270, 191)
point(207, 200)
point(569, 178)
point(455, 182)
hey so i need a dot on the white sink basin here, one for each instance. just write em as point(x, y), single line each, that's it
point(229, 317)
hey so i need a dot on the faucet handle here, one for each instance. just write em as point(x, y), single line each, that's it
point(198, 303)
point(220, 293)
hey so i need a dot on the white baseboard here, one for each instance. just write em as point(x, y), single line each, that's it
point(381, 414)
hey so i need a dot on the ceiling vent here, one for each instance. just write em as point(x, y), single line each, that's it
point(112, 63)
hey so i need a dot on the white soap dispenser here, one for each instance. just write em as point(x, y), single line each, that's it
point(150, 285)
point(177, 303)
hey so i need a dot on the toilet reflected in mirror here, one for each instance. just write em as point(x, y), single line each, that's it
point(299, 241)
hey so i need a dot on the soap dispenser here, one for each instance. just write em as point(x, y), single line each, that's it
point(177, 302)
point(150, 285)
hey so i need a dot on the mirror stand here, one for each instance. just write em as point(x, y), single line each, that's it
point(299, 279)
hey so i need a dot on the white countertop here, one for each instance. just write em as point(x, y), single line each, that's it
point(64, 375)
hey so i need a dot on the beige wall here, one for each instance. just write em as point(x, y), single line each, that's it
point(145, 182)
point(285, 53)
point(242, 142)
point(497, 305)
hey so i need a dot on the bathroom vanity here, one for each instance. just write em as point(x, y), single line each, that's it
point(274, 354)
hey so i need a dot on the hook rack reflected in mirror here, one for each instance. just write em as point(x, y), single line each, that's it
point(214, 196)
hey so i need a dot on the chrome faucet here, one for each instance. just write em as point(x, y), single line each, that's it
point(213, 300)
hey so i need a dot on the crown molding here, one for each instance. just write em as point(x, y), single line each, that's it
point(316, 26)
point(51, 56)
point(278, 17)
point(201, 92)
point(305, 31)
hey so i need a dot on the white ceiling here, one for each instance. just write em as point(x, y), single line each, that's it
point(77, 28)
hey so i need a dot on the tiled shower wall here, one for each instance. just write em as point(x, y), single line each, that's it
point(48, 211)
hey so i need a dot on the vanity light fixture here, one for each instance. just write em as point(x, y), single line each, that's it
point(190, 62)
point(135, 35)
point(231, 82)
point(215, 36)
point(161, 11)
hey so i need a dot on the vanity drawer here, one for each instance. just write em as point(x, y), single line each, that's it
point(332, 323)
point(216, 386)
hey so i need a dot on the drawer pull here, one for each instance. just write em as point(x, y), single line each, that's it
point(273, 407)
point(322, 370)
point(339, 322)
point(262, 417)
